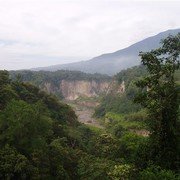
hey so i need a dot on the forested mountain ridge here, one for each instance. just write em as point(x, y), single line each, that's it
point(66, 84)
point(112, 63)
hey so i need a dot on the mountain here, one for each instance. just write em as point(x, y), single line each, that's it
point(112, 63)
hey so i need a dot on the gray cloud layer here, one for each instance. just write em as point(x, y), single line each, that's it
point(44, 32)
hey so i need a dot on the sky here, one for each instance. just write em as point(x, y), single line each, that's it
point(37, 33)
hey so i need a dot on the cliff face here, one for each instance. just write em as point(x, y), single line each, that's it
point(71, 90)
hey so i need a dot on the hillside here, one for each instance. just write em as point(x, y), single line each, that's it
point(112, 63)
point(66, 84)
point(40, 137)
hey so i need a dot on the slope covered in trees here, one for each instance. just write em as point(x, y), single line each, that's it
point(40, 77)
point(40, 137)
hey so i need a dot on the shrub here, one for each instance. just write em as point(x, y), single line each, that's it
point(156, 173)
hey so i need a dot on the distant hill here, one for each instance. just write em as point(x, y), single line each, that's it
point(112, 63)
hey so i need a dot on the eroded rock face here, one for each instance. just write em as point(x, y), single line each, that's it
point(71, 90)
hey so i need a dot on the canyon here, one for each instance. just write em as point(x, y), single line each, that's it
point(74, 89)
point(83, 96)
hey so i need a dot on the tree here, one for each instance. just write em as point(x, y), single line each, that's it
point(160, 96)
point(4, 78)
point(123, 171)
point(6, 91)
point(14, 165)
point(25, 127)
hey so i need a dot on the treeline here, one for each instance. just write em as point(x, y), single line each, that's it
point(41, 77)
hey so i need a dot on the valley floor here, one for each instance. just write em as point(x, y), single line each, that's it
point(85, 112)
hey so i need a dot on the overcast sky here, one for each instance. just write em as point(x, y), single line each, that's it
point(37, 33)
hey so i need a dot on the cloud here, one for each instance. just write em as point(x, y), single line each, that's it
point(82, 28)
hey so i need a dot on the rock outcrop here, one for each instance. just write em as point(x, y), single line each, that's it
point(72, 90)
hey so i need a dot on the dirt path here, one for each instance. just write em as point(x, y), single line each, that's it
point(85, 114)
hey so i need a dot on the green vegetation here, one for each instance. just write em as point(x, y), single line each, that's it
point(131, 74)
point(40, 137)
point(130, 121)
point(122, 103)
point(54, 79)
point(161, 101)
point(116, 103)
point(41, 77)
point(30, 122)
point(157, 115)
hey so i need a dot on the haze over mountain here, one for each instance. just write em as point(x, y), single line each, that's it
point(111, 63)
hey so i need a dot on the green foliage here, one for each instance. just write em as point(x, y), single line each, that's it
point(122, 103)
point(124, 172)
point(25, 126)
point(130, 121)
point(129, 146)
point(92, 168)
point(40, 77)
point(6, 91)
point(105, 146)
point(4, 78)
point(58, 111)
point(117, 104)
point(40, 137)
point(14, 165)
point(161, 100)
point(30, 122)
point(156, 173)
point(62, 160)
point(131, 74)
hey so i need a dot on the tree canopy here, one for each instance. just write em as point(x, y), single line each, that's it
point(160, 96)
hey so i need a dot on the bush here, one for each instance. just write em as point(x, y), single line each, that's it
point(92, 168)
point(156, 173)
point(124, 171)
point(129, 145)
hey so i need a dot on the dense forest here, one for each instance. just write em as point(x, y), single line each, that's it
point(40, 137)
point(40, 77)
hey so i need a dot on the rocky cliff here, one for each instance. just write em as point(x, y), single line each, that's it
point(71, 90)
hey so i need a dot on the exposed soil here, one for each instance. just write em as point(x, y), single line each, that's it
point(85, 111)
